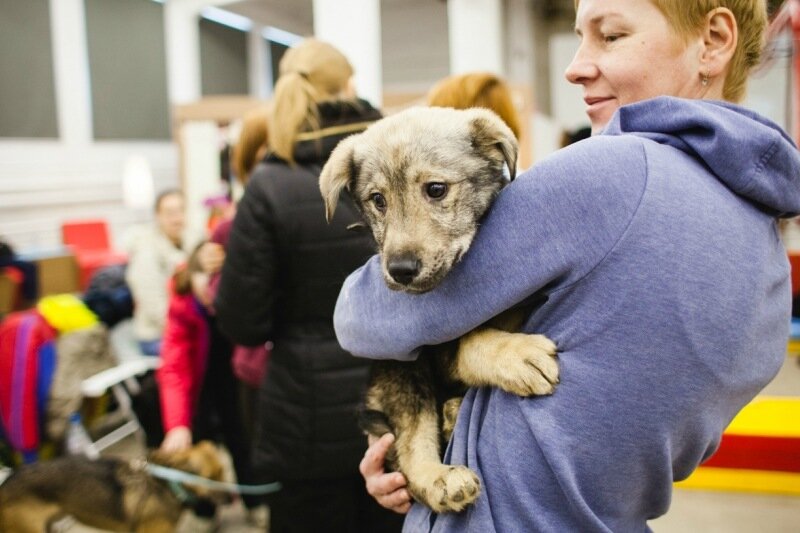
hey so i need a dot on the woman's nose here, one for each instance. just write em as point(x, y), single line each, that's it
point(581, 69)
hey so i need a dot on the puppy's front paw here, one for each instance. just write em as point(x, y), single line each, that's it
point(527, 365)
point(447, 488)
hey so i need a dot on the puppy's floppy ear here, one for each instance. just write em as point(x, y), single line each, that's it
point(337, 174)
point(489, 133)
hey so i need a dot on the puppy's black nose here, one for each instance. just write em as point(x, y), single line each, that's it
point(404, 268)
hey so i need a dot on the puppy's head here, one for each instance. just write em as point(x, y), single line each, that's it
point(422, 178)
point(203, 459)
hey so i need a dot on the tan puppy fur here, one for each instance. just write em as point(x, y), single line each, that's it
point(423, 179)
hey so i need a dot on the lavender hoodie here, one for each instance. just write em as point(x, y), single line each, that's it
point(667, 286)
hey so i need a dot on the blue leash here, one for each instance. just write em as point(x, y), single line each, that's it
point(179, 476)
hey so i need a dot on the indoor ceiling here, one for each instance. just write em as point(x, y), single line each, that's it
point(297, 16)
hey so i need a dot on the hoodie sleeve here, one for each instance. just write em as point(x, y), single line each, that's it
point(546, 231)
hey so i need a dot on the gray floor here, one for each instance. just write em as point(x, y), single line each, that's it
point(691, 510)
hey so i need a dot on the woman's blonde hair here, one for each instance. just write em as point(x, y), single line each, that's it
point(310, 72)
point(252, 143)
point(476, 89)
point(688, 17)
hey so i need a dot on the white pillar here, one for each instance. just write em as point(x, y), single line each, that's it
point(259, 69)
point(476, 31)
point(354, 27)
point(519, 42)
point(71, 69)
point(182, 37)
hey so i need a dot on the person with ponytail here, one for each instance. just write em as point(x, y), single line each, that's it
point(283, 270)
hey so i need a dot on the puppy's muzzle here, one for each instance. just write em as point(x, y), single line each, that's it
point(404, 268)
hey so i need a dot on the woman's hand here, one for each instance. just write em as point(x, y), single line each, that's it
point(177, 439)
point(388, 489)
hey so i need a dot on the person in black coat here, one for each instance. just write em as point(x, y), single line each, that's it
point(284, 268)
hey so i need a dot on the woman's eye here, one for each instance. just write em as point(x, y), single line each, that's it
point(436, 190)
point(379, 201)
point(611, 38)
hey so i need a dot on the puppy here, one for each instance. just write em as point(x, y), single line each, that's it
point(110, 494)
point(423, 179)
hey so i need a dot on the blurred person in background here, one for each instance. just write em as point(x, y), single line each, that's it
point(284, 268)
point(477, 89)
point(155, 252)
point(197, 389)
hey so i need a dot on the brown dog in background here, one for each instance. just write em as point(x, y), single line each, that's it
point(108, 493)
point(423, 179)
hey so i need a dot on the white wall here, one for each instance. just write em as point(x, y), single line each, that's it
point(415, 49)
point(45, 183)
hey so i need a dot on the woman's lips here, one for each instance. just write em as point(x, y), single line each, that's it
point(595, 104)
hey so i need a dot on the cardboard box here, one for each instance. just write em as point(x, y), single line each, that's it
point(8, 294)
point(57, 270)
point(58, 275)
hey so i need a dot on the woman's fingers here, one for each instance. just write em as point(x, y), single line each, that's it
point(177, 439)
point(375, 456)
point(398, 500)
point(388, 489)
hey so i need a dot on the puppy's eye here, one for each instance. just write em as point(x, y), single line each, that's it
point(379, 201)
point(436, 190)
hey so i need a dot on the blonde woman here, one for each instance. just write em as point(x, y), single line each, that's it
point(652, 250)
point(283, 271)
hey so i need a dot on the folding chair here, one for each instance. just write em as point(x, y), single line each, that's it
point(120, 381)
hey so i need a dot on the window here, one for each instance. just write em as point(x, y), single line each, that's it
point(27, 82)
point(223, 59)
point(128, 69)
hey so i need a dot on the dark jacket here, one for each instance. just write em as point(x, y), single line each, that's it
point(284, 268)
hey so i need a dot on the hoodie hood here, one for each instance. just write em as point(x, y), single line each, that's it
point(750, 154)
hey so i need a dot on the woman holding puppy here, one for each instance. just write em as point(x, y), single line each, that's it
point(654, 247)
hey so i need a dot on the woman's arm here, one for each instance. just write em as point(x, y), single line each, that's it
point(175, 375)
point(546, 230)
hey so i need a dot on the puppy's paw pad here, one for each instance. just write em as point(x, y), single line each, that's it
point(453, 489)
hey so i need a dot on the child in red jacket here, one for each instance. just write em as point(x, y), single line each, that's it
point(197, 387)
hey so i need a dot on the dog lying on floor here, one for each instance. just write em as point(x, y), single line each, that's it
point(423, 179)
point(110, 494)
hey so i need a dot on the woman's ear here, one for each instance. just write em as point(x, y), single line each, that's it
point(720, 37)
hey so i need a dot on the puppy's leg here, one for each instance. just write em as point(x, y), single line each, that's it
point(449, 416)
point(404, 393)
point(443, 488)
point(518, 363)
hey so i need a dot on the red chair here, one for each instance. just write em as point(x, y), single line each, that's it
point(794, 262)
point(91, 245)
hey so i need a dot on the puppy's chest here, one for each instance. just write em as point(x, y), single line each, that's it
point(442, 359)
